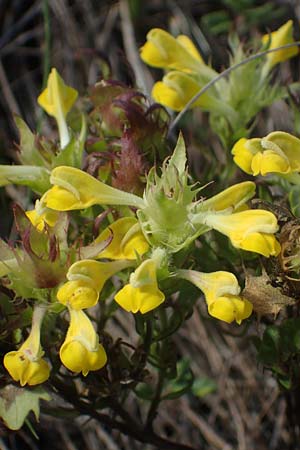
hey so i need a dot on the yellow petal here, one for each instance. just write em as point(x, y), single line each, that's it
point(81, 351)
point(233, 197)
point(25, 371)
point(48, 216)
point(264, 244)
point(229, 308)
point(282, 36)
point(240, 227)
point(143, 299)
point(37, 372)
point(57, 98)
point(163, 50)
point(186, 42)
point(167, 96)
point(268, 162)
point(142, 294)
point(242, 155)
point(177, 89)
point(79, 294)
point(75, 356)
point(288, 144)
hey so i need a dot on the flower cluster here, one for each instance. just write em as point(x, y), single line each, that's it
point(232, 102)
point(142, 242)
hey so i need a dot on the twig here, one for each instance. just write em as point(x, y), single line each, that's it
point(136, 431)
point(143, 79)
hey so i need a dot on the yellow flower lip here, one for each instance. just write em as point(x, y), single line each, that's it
point(81, 351)
point(142, 293)
point(278, 152)
point(26, 365)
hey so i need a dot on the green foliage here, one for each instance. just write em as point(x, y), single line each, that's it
point(16, 403)
point(279, 350)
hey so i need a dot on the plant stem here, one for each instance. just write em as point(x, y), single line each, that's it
point(156, 400)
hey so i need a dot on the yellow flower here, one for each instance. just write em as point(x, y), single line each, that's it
point(142, 293)
point(26, 365)
point(282, 36)
point(57, 100)
point(81, 351)
point(86, 280)
point(127, 242)
point(75, 189)
point(39, 216)
point(165, 51)
point(177, 88)
point(278, 152)
point(250, 230)
point(221, 290)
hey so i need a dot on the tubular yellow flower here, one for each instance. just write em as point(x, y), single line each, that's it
point(221, 290)
point(278, 152)
point(128, 240)
point(57, 100)
point(86, 280)
point(81, 351)
point(75, 189)
point(250, 230)
point(26, 364)
point(142, 293)
point(176, 90)
point(165, 51)
point(282, 36)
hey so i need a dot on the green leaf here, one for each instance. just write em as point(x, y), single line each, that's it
point(268, 353)
point(286, 382)
point(71, 155)
point(290, 337)
point(29, 154)
point(37, 178)
point(145, 391)
point(182, 383)
point(203, 386)
point(16, 403)
point(178, 159)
